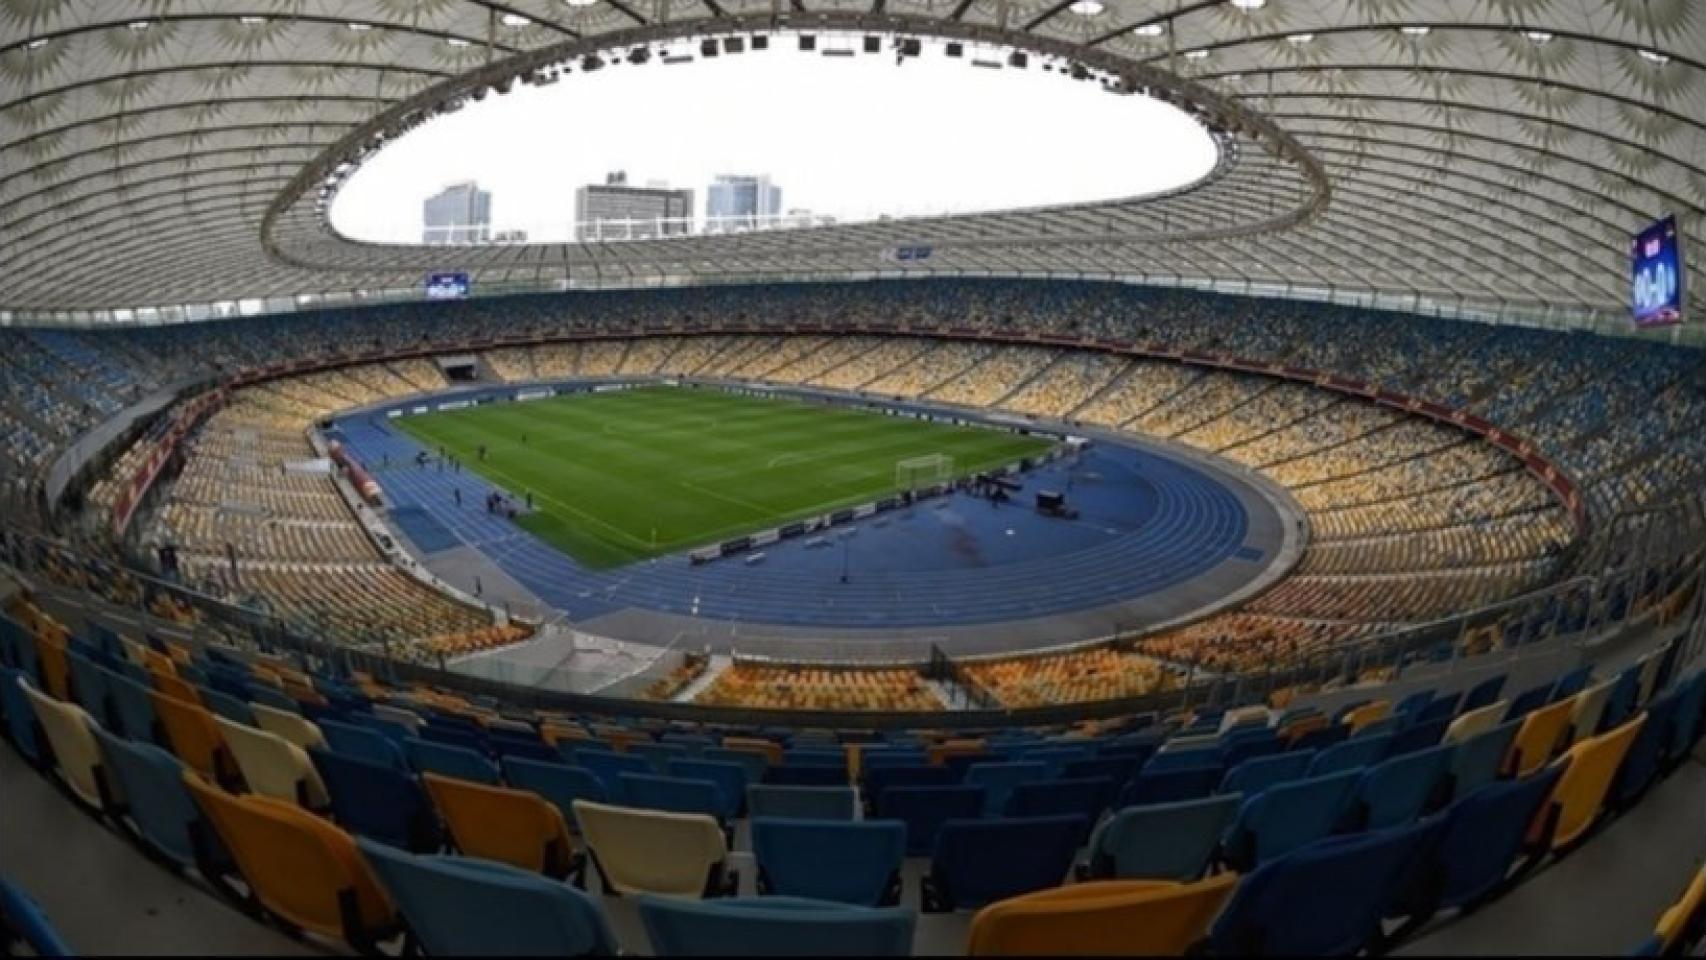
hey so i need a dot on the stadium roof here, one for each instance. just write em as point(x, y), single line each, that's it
point(1488, 157)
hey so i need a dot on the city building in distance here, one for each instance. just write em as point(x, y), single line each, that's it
point(736, 202)
point(460, 213)
point(617, 210)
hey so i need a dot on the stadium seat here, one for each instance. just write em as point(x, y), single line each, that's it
point(652, 851)
point(293, 727)
point(1581, 793)
point(1324, 900)
point(757, 765)
point(676, 794)
point(1087, 798)
point(774, 927)
point(363, 743)
point(1288, 816)
point(977, 862)
point(1353, 754)
point(378, 801)
point(22, 919)
point(730, 779)
point(836, 860)
point(1253, 776)
point(879, 780)
point(1538, 738)
point(608, 767)
point(999, 779)
point(925, 809)
point(1683, 924)
point(1690, 713)
point(89, 684)
point(1133, 918)
point(658, 755)
point(1471, 723)
point(559, 783)
point(517, 827)
point(273, 766)
point(1623, 700)
point(458, 906)
point(76, 755)
point(222, 704)
point(1646, 753)
point(194, 736)
point(299, 867)
point(451, 760)
point(1165, 841)
point(1528, 701)
point(1483, 694)
point(801, 803)
point(1479, 759)
point(1397, 791)
point(1116, 769)
point(22, 728)
point(1169, 787)
point(147, 783)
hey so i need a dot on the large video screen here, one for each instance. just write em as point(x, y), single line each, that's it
point(1656, 261)
point(447, 286)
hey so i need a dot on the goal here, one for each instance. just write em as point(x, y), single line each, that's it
point(915, 473)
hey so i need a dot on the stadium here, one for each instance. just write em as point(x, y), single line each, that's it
point(1301, 556)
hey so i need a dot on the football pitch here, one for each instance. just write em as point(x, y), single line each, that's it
point(626, 475)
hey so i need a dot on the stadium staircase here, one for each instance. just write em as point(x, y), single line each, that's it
point(1186, 385)
point(718, 663)
point(1060, 357)
point(1107, 388)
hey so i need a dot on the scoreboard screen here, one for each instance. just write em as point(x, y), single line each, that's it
point(1656, 263)
point(447, 286)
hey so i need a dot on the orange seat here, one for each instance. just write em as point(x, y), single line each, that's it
point(302, 868)
point(1538, 738)
point(173, 685)
point(1133, 918)
point(55, 668)
point(517, 827)
point(772, 751)
point(194, 737)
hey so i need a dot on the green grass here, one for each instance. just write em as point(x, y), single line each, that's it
point(632, 474)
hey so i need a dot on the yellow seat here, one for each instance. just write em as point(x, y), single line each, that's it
point(1674, 923)
point(55, 668)
point(194, 737)
point(771, 750)
point(517, 827)
point(651, 851)
point(301, 867)
point(1580, 793)
point(75, 751)
point(293, 727)
point(1538, 738)
point(1475, 722)
point(1301, 726)
point(1366, 714)
point(273, 766)
point(1130, 918)
point(173, 685)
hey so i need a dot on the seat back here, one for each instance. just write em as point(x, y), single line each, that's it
point(1165, 841)
point(21, 724)
point(925, 809)
point(273, 766)
point(801, 803)
point(1589, 707)
point(1397, 791)
point(1689, 715)
point(608, 767)
point(1680, 926)
point(89, 683)
point(1087, 798)
point(299, 866)
point(1539, 737)
point(1472, 723)
point(652, 851)
point(977, 862)
point(1138, 918)
point(999, 779)
point(1582, 790)
point(363, 743)
point(193, 735)
point(1253, 776)
point(451, 760)
point(1353, 754)
point(24, 918)
point(150, 783)
point(378, 801)
point(1484, 693)
point(517, 827)
point(75, 752)
point(1483, 834)
point(679, 794)
point(1528, 701)
point(730, 778)
point(774, 926)
point(1479, 759)
point(452, 905)
point(1289, 816)
point(1647, 752)
point(291, 726)
point(1169, 786)
point(836, 860)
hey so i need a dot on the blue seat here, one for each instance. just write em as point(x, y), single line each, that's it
point(23, 918)
point(813, 757)
point(1528, 701)
point(1414, 703)
point(378, 801)
point(1689, 710)
point(608, 767)
point(659, 754)
point(801, 803)
point(557, 782)
point(1483, 694)
point(527, 748)
point(133, 709)
point(270, 696)
point(1116, 768)
point(463, 906)
point(774, 927)
point(1253, 776)
point(730, 779)
point(1242, 745)
point(1442, 708)
point(1193, 758)
point(1646, 753)
point(361, 743)
point(1164, 841)
point(1395, 792)
point(925, 809)
point(1353, 754)
point(1054, 757)
point(456, 735)
point(1571, 683)
point(1192, 783)
point(880, 780)
point(1322, 737)
point(755, 764)
point(844, 861)
point(806, 775)
point(1326, 900)
point(1288, 816)
point(89, 683)
point(1620, 703)
point(674, 794)
point(150, 782)
point(1419, 735)
point(878, 757)
point(1480, 758)
point(977, 862)
point(450, 760)
point(1086, 798)
point(1482, 836)
point(227, 706)
point(999, 779)
point(21, 726)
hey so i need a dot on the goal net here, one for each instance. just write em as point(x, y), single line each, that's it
point(916, 473)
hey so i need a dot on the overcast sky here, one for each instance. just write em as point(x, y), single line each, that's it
point(851, 137)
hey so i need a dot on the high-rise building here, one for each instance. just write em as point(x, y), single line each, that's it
point(741, 202)
point(614, 210)
point(460, 213)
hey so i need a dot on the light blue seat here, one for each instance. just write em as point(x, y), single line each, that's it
point(1253, 776)
point(1482, 836)
point(608, 767)
point(450, 760)
point(23, 917)
point(364, 744)
point(839, 860)
point(227, 706)
point(658, 755)
point(674, 794)
point(1479, 759)
point(89, 682)
point(133, 708)
point(1395, 792)
point(730, 779)
point(1353, 754)
point(1163, 841)
point(21, 726)
point(557, 782)
point(753, 762)
point(774, 927)
point(1087, 798)
point(801, 803)
point(1288, 816)
point(149, 784)
point(999, 779)
point(463, 906)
